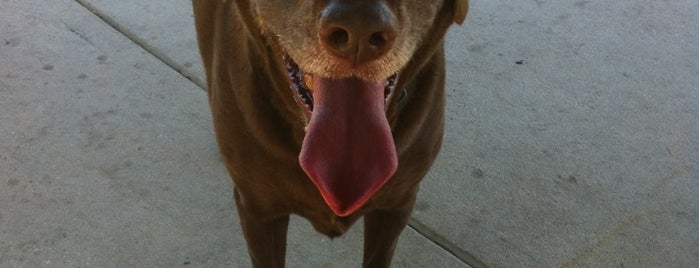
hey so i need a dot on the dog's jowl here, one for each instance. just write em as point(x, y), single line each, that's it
point(332, 110)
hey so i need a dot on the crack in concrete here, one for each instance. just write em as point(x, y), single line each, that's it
point(445, 244)
point(163, 57)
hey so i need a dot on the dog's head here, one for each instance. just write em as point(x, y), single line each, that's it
point(343, 57)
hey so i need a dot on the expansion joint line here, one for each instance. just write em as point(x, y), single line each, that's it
point(445, 244)
point(161, 56)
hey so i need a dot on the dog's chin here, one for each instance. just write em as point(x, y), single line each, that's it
point(302, 83)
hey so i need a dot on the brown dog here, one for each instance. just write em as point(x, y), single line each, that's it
point(329, 109)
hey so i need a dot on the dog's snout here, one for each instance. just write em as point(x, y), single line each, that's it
point(359, 31)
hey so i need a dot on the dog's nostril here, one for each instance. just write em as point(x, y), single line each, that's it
point(338, 37)
point(377, 40)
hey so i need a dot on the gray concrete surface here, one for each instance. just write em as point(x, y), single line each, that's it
point(572, 141)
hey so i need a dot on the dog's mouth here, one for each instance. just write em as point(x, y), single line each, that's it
point(302, 84)
point(348, 151)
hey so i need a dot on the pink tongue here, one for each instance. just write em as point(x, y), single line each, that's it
point(348, 151)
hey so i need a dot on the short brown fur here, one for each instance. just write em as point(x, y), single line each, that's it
point(260, 127)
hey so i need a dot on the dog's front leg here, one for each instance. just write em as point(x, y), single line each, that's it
point(381, 232)
point(266, 238)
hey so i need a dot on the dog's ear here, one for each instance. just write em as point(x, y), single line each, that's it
point(460, 10)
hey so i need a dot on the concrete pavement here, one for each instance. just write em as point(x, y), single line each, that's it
point(572, 139)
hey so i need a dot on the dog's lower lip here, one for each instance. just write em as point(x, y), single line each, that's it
point(296, 77)
point(302, 83)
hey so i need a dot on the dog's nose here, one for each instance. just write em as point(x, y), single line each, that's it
point(359, 31)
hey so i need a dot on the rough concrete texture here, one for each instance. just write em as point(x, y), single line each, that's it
point(572, 139)
point(572, 135)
